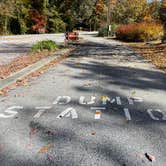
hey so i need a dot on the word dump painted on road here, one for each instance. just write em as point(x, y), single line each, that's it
point(104, 102)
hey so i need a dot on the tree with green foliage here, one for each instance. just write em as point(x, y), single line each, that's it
point(54, 21)
point(40, 16)
point(6, 13)
point(154, 8)
point(18, 24)
point(76, 13)
point(129, 11)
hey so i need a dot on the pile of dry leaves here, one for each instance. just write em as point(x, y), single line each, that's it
point(155, 53)
point(22, 62)
point(24, 81)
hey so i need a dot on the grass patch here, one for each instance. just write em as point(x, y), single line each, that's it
point(47, 45)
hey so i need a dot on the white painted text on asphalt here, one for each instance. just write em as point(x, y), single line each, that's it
point(71, 112)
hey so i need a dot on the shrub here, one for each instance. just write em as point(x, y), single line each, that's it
point(103, 32)
point(44, 45)
point(139, 32)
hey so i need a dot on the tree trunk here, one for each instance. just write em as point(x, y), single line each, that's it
point(164, 37)
point(5, 25)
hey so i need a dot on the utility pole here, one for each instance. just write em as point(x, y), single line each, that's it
point(108, 14)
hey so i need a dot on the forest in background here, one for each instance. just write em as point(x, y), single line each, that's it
point(52, 16)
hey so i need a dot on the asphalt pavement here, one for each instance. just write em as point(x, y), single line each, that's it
point(12, 47)
point(102, 106)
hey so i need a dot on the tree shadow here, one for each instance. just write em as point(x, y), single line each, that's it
point(129, 77)
point(70, 136)
point(15, 48)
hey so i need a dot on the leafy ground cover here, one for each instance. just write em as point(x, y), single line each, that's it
point(24, 81)
point(156, 53)
point(39, 51)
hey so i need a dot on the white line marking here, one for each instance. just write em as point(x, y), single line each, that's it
point(127, 114)
point(62, 100)
point(83, 102)
point(150, 112)
point(11, 112)
point(97, 108)
point(92, 101)
point(67, 113)
point(118, 101)
point(130, 101)
point(41, 111)
point(112, 101)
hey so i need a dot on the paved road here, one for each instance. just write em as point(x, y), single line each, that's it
point(102, 106)
point(12, 47)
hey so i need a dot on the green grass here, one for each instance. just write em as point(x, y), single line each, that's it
point(48, 45)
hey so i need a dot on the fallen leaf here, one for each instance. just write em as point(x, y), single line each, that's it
point(150, 157)
point(3, 93)
point(93, 133)
point(22, 82)
point(2, 77)
point(45, 148)
point(33, 131)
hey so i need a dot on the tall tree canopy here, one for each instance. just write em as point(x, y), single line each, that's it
point(40, 16)
point(128, 11)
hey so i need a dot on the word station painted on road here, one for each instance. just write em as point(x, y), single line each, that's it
point(71, 112)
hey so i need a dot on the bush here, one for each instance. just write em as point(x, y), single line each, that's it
point(44, 45)
point(139, 32)
point(103, 32)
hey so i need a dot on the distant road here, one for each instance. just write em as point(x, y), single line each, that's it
point(14, 46)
